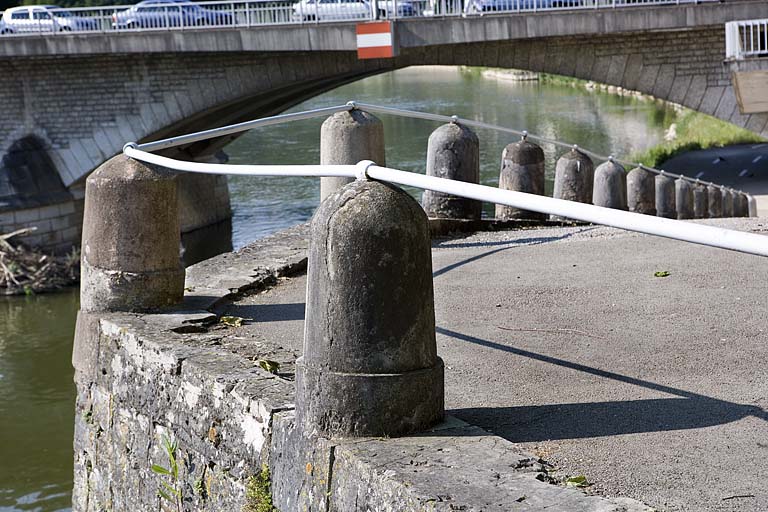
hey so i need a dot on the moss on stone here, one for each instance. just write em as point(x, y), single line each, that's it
point(258, 494)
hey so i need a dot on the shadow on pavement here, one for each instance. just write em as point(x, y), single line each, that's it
point(508, 244)
point(596, 419)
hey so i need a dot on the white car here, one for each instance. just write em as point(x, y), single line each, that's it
point(45, 18)
point(310, 10)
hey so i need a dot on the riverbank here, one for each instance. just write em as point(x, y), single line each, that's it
point(26, 270)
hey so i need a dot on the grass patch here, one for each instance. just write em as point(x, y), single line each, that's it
point(696, 131)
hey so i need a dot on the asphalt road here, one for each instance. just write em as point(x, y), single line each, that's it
point(564, 341)
point(743, 167)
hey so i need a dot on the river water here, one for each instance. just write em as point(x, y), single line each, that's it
point(36, 390)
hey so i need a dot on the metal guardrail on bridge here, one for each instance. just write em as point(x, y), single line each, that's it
point(746, 38)
point(42, 20)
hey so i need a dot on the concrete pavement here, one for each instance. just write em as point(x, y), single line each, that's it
point(564, 341)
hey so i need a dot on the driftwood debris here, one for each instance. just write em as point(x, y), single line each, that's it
point(25, 270)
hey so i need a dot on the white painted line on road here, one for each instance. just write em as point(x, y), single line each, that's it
point(700, 174)
point(716, 161)
point(757, 159)
point(743, 172)
point(758, 146)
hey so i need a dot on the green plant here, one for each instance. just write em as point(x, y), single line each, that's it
point(258, 493)
point(169, 490)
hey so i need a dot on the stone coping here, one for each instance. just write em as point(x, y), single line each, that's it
point(455, 466)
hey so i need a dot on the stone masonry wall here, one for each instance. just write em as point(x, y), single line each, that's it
point(58, 226)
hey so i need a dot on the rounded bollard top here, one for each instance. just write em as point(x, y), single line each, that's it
point(370, 305)
point(610, 167)
point(575, 154)
point(122, 169)
point(449, 133)
point(523, 152)
point(350, 119)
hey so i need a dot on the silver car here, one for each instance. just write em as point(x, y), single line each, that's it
point(45, 18)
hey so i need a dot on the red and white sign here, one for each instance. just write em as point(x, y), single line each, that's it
point(375, 40)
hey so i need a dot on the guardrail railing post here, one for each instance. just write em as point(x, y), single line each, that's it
point(700, 201)
point(453, 152)
point(714, 201)
point(641, 191)
point(522, 170)
point(683, 199)
point(727, 203)
point(574, 177)
point(610, 188)
point(347, 138)
point(370, 365)
point(131, 237)
point(665, 197)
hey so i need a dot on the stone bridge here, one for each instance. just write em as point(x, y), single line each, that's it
point(70, 102)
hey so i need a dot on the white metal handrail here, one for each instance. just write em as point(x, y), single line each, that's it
point(746, 38)
point(319, 112)
point(740, 241)
point(247, 13)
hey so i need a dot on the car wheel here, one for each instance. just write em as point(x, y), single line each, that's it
point(309, 17)
point(65, 29)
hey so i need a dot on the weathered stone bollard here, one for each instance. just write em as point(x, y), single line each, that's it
point(130, 248)
point(752, 202)
point(370, 365)
point(740, 205)
point(574, 175)
point(522, 170)
point(700, 201)
point(641, 191)
point(610, 188)
point(665, 197)
point(347, 138)
point(727, 203)
point(453, 152)
point(714, 201)
point(684, 198)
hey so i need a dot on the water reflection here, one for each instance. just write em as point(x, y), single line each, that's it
point(604, 123)
point(37, 401)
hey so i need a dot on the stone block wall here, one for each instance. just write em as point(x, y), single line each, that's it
point(59, 225)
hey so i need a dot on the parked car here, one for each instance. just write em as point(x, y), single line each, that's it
point(170, 13)
point(483, 6)
point(398, 8)
point(308, 10)
point(45, 18)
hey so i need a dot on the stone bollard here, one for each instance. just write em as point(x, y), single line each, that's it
point(727, 203)
point(641, 191)
point(610, 188)
point(370, 365)
point(522, 170)
point(752, 205)
point(665, 197)
point(453, 152)
point(684, 198)
point(574, 175)
point(131, 237)
point(700, 201)
point(347, 138)
point(714, 201)
point(740, 205)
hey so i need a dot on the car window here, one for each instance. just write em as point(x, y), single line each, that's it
point(20, 15)
point(41, 15)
